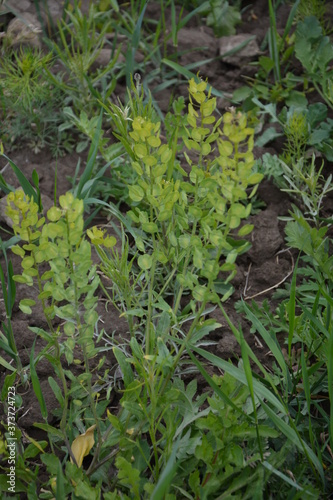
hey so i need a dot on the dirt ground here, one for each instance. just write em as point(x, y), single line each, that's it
point(266, 265)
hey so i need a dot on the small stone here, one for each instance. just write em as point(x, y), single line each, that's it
point(189, 39)
point(104, 58)
point(25, 29)
point(20, 6)
point(242, 56)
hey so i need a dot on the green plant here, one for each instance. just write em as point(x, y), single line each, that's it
point(316, 8)
point(7, 341)
point(187, 216)
point(304, 319)
point(80, 44)
point(273, 82)
point(296, 130)
point(315, 52)
point(221, 16)
point(29, 102)
point(281, 406)
point(162, 424)
point(47, 22)
point(66, 291)
point(305, 181)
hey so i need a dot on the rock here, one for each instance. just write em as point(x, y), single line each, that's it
point(104, 58)
point(189, 39)
point(25, 29)
point(16, 6)
point(55, 9)
point(242, 56)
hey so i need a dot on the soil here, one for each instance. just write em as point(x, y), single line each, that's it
point(260, 270)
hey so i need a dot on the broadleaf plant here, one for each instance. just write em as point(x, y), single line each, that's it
point(192, 213)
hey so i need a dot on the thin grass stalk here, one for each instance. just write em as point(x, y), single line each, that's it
point(273, 43)
point(249, 378)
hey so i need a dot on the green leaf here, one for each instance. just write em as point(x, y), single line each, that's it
point(32, 450)
point(56, 390)
point(87, 173)
point(51, 462)
point(26, 186)
point(36, 385)
point(27, 262)
point(145, 261)
point(136, 193)
point(283, 476)
point(86, 491)
point(28, 302)
point(167, 474)
point(184, 241)
point(27, 280)
point(25, 309)
point(292, 435)
point(270, 341)
point(150, 227)
point(128, 476)
point(188, 75)
point(245, 230)
point(60, 489)
point(238, 373)
point(6, 365)
point(125, 367)
point(54, 214)
point(51, 430)
point(223, 18)
point(17, 250)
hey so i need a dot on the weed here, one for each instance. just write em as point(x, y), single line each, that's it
point(30, 103)
point(189, 181)
point(315, 52)
point(316, 8)
point(80, 44)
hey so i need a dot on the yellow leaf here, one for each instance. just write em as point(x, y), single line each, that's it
point(83, 444)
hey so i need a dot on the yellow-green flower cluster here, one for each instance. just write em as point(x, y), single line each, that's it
point(200, 115)
point(97, 237)
point(144, 129)
point(23, 212)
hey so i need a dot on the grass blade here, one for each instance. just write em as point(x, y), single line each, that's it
point(166, 476)
point(290, 20)
point(273, 44)
point(306, 388)
point(291, 307)
point(188, 75)
point(249, 378)
point(6, 365)
point(214, 386)
point(36, 384)
point(132, 48)
point(285, 478)
point(86, 175)
point(60, 491)
point(292, 435)
point(259, 388)
point(25, 184)
point(271, 343)
point(330, 383)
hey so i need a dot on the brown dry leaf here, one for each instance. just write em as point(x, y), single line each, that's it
point(83, 444)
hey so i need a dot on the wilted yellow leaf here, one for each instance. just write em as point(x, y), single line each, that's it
point(83, 444)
